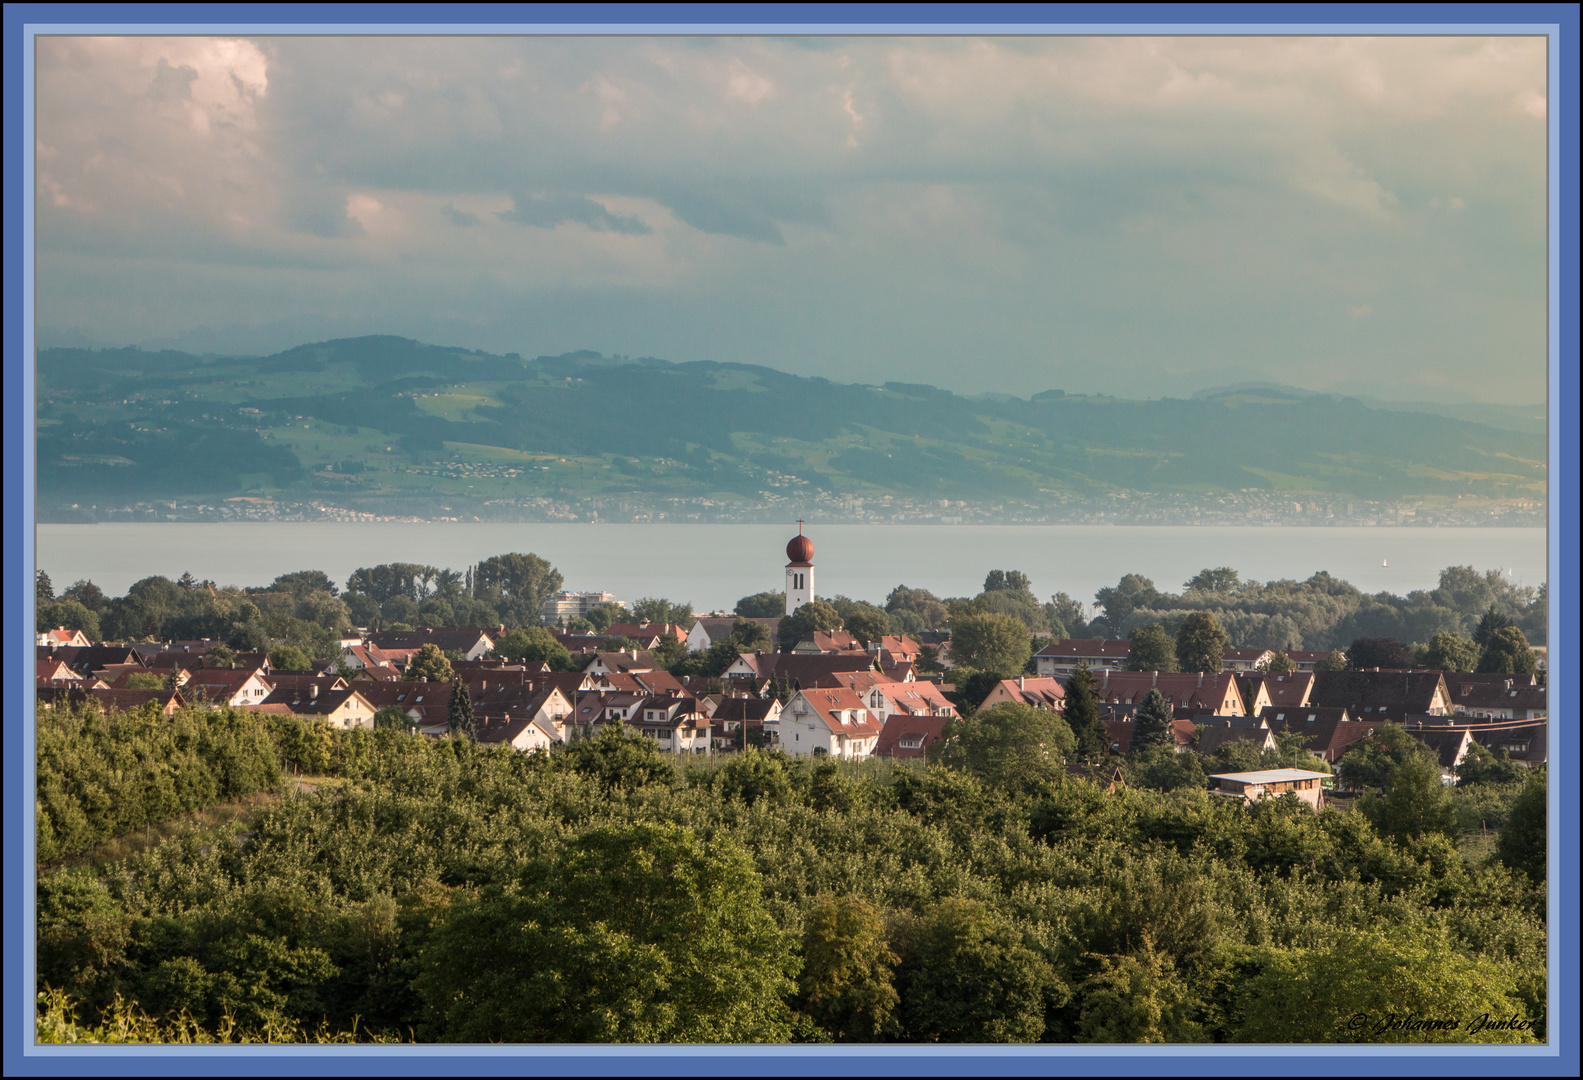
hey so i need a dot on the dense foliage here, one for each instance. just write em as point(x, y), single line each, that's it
point(449, 890)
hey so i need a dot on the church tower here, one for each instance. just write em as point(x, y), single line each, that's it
point(799, 571)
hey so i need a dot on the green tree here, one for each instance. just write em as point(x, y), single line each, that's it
point(1065, 616)
point(1365, 653)
point(1491, 621)
point(868, 626)
point(1152, 649)
point(1138, 998)
point(69, 614)
point(522, 582)
point(1508, 652)
point(1415, 801)
point(1200, 644)
point(929, 608)
point(602, 616)
point(633, 933)
point(1222, 579)
point(656, 609)
point(1161, 768)
point(534, 645)
point(87, 594)
point(1482, 766)
point(1371, 763)
point(1007, 746)
point(812, 616)
point(1448, 652)
point(1152, 724)
point(967, 976)
point(1281, 664)
point(1522, 844)
point(990, 642)
point(391, 718)
point(1008, 581)
point(847, 983)
point(219, 655)
point(459, 712)
point(764, 605)
point(749, 636)
point(289, 658)
point(304, 582)
point(145, 680)
point(618, 759)
point(43, 588)
point(1354, 990)
point(428, 664)
point(1335, 660)
point(1131, 593)
point(1082, 715)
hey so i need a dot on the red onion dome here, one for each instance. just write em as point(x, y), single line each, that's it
point(800, 549)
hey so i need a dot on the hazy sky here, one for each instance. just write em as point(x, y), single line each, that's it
point(1127, 215)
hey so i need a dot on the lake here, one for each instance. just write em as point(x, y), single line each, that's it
point(714, 565)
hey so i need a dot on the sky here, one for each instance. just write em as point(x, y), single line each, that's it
point(1140, 216)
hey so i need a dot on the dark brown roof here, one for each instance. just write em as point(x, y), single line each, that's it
point(1368, 694)
point(1087, 649)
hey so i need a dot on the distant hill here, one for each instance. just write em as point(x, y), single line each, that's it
point(371, 421)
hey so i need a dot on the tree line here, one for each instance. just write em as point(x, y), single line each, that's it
point(449, 891)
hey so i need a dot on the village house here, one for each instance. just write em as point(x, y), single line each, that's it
point(526, 721)
point(1328, 732)
point(819, 722)
point(798, 669)
point(908, 736)
point(1039, 693)
point(470, 641)
point(1250, 787)
point(1524, 741)
point(1192, 690)
point(1260, 689)
point(829, 641)
point(60, 636)
point(1244, 660)
point(76, 697)
point(1382, 695)
point(1060, 658)
point(345, 709)
point(227, 686)
point(1499, 697)
point(710, 629)
point(731, 717)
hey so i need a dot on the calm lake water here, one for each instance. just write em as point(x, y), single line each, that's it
point(714, 565)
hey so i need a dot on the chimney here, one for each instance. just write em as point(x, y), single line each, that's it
point(1154, 679)
point(1020, 683)
point(313, 691)
point(1200, 678)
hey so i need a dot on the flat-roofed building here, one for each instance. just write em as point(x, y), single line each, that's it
point(1272, 784)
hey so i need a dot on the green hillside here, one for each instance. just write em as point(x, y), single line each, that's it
point(380, 422)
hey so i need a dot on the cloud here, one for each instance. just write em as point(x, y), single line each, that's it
point(548, 211)
point(976, 212)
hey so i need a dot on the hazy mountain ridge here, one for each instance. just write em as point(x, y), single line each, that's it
point(378, 418)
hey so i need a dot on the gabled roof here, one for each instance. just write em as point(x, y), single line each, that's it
point(1365, 692)
point(448, 638)
point(830, 705)
point(917, 732)
point(806, 669)
point(1039, 692)
point(306, 703)
point(1087, 649)
point(744, 710)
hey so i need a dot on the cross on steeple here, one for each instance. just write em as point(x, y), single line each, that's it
point(799, 526)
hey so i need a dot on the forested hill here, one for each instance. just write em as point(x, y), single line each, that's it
point(379, 419)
